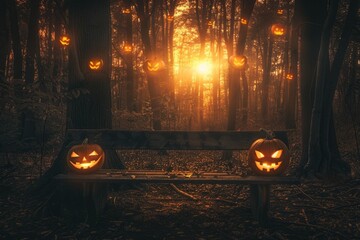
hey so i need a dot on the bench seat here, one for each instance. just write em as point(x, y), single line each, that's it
point(146, 176)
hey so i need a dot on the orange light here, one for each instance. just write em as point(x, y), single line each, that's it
point(238, 61)
point(203, 67)
point(210, 23)
point(289, 76)
point(154, 65)
point(243, 21)
point(278, 29)
point(170, 18)
point(64, 40)
point(95, 64)
point(280, 11)
point(126, 11)
point(127, 48)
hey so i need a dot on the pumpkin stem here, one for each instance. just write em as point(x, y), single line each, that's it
point(269, 134)
point(86, 141)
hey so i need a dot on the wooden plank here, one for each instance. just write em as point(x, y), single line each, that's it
point(158, 172)
point(170, 140)
point(168, 178)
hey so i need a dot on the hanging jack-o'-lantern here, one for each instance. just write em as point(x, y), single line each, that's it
point(268, 156)
point(278, 29)
point(289, 76)
point(95, 64)
point(85, 158)
point(154, 65)
point(280, 11)
point(170, 18)
point(126, 11)
point(243, 21)
point(64, 40)
point(238, 61)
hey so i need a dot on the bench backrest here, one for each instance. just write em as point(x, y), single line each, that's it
point(170, 140)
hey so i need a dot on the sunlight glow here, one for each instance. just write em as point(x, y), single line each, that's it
point(204, 67)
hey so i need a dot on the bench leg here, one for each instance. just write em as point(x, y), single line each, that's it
point(260, 201)
point(94, 200)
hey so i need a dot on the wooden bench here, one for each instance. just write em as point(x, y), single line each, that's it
point(179, 140)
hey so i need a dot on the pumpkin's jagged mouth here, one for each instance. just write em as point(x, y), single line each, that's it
point(85, 165)
point(267, 166)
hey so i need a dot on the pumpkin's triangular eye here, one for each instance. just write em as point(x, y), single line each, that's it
point(93, 153)
point(259, 154)
point(74, 154)
point(277, 154)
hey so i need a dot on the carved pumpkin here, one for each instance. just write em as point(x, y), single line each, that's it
point(127, 48)
point(126, 11)
point(64, 40)
point(278, 29)
point(268, 156)
point(85, 158)
point(280, 11)
point(170, 18)
point(154, 65)
point(238, 61)
point(95, 64)
point(210, 23)
point(289, 76)
point(243, 21)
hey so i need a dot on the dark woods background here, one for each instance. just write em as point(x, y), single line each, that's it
point(175, 65)
point(46, 87)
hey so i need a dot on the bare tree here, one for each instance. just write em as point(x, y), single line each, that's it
point(323, 154)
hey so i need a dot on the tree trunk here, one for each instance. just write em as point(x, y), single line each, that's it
point(56, 71)
point(246, 11)
point(4, 43)
point(142, 10)
point(32, 40)
point(130, 100)
point(313, 15)
point(89, 22)
point(203, 10)
point(172, 6)
point(290, 113)
point(15, 37)
point(324, 158)
point(268, 46)
point(28, 117)
point(91, 108)
point(229, 42)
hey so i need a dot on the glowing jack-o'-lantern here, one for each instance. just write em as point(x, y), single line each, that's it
point(85, 158)
point(243, 21)
point(96, 64)
point(170, 18)
point(126, 11)
point(280, 11)
point(210, 23)
point(289, 76)
point(268, 156)
point(64, 40)
point(278, 29)
point(238, 61)
point(154, 65)
point(127, 48)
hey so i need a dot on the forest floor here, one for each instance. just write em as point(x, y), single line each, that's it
point(311, 210)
